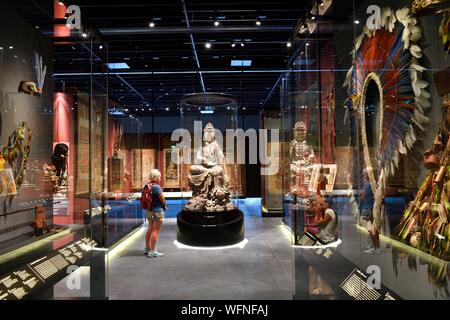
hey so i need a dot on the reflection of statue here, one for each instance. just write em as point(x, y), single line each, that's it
point(302, 159)
point(208, 179)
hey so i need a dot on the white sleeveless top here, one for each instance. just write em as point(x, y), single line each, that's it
point(327, 234)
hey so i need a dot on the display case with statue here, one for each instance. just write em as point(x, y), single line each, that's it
point(301, 152)
point(207, 158)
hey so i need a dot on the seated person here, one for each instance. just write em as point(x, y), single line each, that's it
point(328, 224)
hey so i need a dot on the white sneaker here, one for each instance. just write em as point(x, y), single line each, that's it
point(377, 251)
point(155, 254)
point(370, 250)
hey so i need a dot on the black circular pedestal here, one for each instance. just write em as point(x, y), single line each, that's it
point(210, 229)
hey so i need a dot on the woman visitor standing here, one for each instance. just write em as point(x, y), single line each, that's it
point(154, 203)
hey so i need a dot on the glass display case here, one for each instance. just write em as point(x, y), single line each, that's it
point(272, 197)
point(53, 160)
point(208, 170)
point(360, 197)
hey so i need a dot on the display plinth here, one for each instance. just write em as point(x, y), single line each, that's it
point(210, 229)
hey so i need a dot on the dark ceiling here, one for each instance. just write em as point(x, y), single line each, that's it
point(163, 65)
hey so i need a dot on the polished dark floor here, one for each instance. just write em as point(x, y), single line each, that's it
point(264, 269)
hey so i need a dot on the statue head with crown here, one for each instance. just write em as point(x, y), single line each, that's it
point(300, 131)
point(209, 133)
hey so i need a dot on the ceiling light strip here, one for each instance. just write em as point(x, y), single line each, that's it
point(191, 30)
point(139, 73)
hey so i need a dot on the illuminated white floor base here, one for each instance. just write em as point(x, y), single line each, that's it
point(240, 245)
point(330, 245)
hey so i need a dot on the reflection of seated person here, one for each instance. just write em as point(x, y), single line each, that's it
point(40, 221)
point(328, 224)
point(313, 213)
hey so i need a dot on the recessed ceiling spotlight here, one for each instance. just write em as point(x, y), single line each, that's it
point(357, 22)
point(11, 47)
point(288, 44)
point(100, 47)
point(167, 109)
point(37, 27)
point(216, 23)
point(208, 45)
point(258, 22)
point(307, 44)
point(84, 35)
point(242, 44)
point(233, 45)
point(313, 17)
point(152, 24)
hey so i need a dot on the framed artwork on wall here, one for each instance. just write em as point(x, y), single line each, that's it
point(148, 163)
point(136, 169)
point(171, 174)
point(83, 163)
point(115, 174)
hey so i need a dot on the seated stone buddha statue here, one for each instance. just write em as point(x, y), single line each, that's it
point(208, 178)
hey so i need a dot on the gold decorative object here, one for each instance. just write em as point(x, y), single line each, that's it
point(17, 151)
point(422, 7)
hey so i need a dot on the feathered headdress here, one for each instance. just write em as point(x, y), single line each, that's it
point(389, 56)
